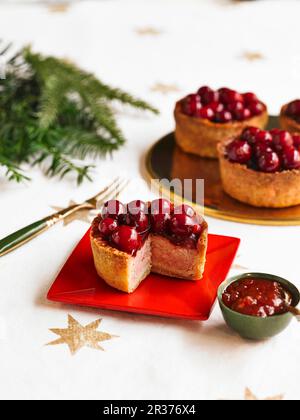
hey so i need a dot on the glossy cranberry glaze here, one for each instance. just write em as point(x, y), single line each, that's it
point(127, 227)
point(265, 151)
point(222, 106)
point(257, 297)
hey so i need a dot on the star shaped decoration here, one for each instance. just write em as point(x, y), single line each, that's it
point(85, 215)
point(165, 89)
point(59, 7)
point(77, 336)
point(148, 31)
point(252, 56)
point(249, 396)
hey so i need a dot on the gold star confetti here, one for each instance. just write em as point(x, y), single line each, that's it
point(76, 336)
point(164, 88)
point(59, 7)
point(252, 56)
point(249, 396)
point(148, 31)
point(85, 215)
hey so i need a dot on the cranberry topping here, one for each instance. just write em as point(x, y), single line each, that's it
point(250, 97)
point(107, 227)
point(269, 161)
point(256, 108)
point(291, 159)
point(161, 206)
point(282, 140)
point(249, 134)
point(126, 239)
point(296, 140)
point(293, 109)
point(129, 230)
point(266, 151)
point(191, 104)
point(160, 222)
point(208, 95)
point(257, 297)
point(207, 113)
point(243, 114)
point(222, 106)
point(239, 151)
point(113, 209)
point(223, 117)
point(182, 225)
point(185, 209)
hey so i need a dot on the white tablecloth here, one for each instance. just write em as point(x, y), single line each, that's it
point(137, 44)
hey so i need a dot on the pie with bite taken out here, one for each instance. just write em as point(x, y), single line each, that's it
point(208, 117)
point(129, 242)
point(290, 116)
point(262, 168)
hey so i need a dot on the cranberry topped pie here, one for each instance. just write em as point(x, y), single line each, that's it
point(208, 117)
point(262, 168)
point(290, 116)
point(129, 242)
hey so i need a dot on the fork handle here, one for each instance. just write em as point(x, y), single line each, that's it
point(22, 236)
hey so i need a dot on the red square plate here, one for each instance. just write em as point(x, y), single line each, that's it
point(79, 284)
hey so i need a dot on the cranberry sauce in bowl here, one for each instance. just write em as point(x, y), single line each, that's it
point(257, 305)
point(257, 297)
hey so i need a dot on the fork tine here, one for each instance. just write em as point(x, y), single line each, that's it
point(112, 194)
point(102, 193)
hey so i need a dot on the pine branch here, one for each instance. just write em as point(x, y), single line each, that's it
point(52, 111)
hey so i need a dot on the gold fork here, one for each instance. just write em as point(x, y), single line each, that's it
point(22, 236)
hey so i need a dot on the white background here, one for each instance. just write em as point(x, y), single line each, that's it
point(201, 42)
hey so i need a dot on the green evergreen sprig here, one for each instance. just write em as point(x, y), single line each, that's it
point(53, 112)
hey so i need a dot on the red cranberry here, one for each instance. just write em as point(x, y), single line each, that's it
point(227, 96)
point(107, 226)
point(250, 97)
point(235, 107)
point(191, 104)
point(182, 225)
point(140, 221)
point(185, 209)
point(249, 134)
point(126, 239)
point(161, 206)
point(269, 161)
point(206, 113)
point(217, 106)
point(160, 223)
point(208, 95)
point(239, 151)
point(113, 209)
point(296, 140)
point(256, 108)
point(223, 117)
point(243, 114)
point(136, 207)
point(282, 140)
point(190, 242)
point(291, 159)
point(264, 137)
point(261, 148)
point(293, 108)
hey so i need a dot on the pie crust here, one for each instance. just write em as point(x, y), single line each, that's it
point(201, 137)
point(122, 271)
point(288, 123)
point(259, 189)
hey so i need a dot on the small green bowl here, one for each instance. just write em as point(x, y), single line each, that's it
point(251, 327)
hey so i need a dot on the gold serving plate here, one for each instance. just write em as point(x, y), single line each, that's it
point(167, 161)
